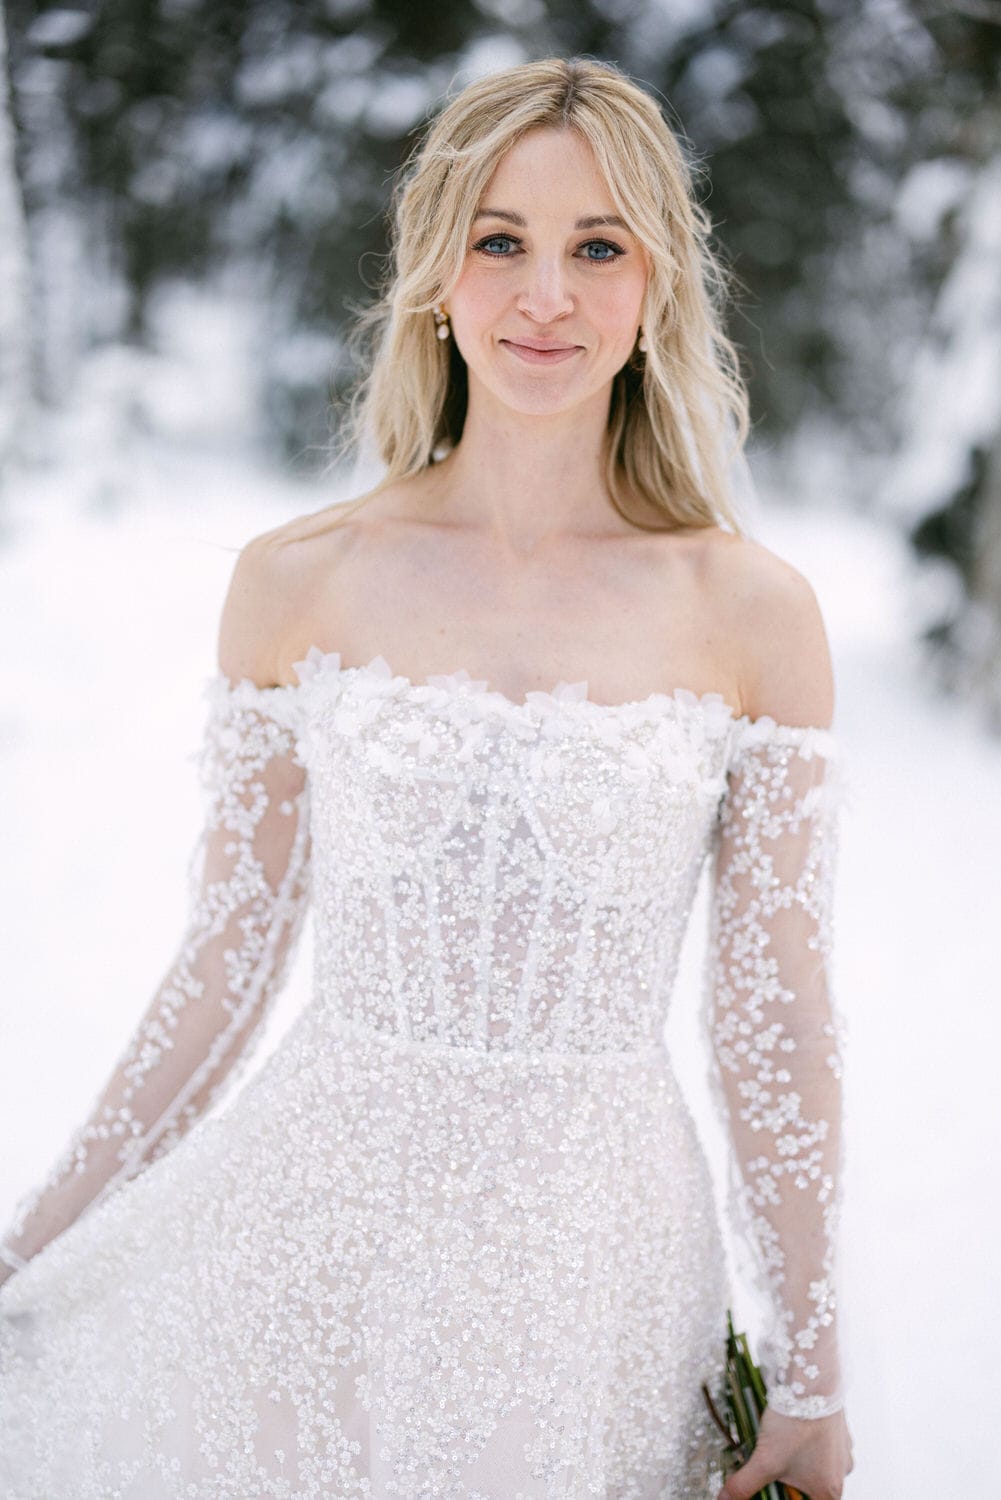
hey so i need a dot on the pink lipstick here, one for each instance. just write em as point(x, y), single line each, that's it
point(541, 351)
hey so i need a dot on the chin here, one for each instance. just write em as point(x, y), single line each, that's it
point(540, 397)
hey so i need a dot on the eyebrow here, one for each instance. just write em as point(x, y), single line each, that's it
point(594, 221)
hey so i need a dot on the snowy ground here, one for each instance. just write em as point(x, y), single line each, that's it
point(109, 617)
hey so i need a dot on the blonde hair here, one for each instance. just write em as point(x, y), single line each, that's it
point(679, 414)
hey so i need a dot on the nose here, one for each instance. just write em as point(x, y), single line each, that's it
point(544, 295)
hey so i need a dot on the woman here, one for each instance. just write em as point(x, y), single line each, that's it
point(457, 1237)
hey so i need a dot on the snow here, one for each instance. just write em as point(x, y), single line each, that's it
point(108, 622)
point(397, 105)
point(58, 28)
point(269, 79)
point(930, 190)
point(485, 55)
point(513, 12)
point(715, 72)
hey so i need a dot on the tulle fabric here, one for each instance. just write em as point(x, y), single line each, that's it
point(458, 1236)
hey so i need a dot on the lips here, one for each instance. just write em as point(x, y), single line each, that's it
point(540, 351)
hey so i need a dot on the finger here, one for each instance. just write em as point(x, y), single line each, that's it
point(747, 1481)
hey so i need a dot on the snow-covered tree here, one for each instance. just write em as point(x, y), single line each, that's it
point(945, 482)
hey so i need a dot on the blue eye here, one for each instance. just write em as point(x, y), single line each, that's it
point(492, 241)
point(613, 250)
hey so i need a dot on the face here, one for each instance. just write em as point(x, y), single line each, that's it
point(548, 305)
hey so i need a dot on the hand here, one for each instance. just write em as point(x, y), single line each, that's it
point(813, 1454)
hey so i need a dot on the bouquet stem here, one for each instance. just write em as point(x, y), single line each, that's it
point(746, 1399)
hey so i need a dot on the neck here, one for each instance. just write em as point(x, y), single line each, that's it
point(525, 481)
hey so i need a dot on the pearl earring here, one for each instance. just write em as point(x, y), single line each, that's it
point(441, 319)
point(642, 344)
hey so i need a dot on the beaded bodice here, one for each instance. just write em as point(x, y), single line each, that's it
point(504, 876)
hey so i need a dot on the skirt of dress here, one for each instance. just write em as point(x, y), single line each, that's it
point(388, 1269)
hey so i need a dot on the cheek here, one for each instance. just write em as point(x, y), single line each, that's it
point(619, 304)
point(476, 296)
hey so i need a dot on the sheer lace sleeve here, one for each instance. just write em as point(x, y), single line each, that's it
point(777, 1043)
point(248, 892)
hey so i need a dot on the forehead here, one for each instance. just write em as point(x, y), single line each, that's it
point(549, 172)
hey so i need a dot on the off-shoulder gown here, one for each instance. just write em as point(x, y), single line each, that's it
point(458, 1236)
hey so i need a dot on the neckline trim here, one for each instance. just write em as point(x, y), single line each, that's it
point(711, 710)
point(379, 671)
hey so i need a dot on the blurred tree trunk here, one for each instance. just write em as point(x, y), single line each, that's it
point(15, 282)
point(986, 590)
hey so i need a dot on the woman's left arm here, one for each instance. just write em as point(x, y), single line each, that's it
point(775, 1038)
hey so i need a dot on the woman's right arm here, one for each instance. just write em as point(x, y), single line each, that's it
point(248, 894)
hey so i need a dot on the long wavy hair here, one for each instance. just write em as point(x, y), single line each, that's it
point(678, 414)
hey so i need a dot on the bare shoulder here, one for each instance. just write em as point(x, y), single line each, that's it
point(276, 580)
point(774, 618)
point(303, 579)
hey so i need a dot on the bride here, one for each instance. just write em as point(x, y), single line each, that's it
point(457, 1238)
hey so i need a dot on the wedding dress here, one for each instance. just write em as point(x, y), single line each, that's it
point(457, 1237)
